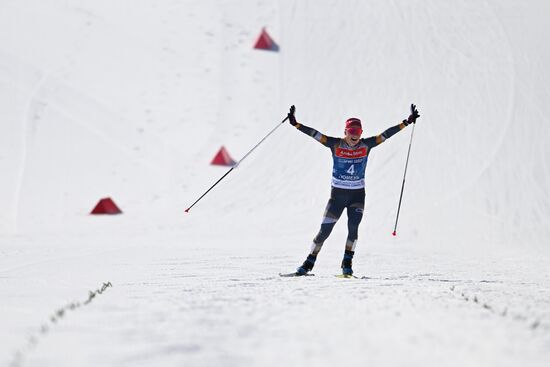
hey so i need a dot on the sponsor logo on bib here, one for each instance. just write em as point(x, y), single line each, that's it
point(351, 154)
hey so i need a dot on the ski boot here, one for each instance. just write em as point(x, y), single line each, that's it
point(346, 264)
point(307, 265)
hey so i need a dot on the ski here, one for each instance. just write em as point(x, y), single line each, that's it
point(295, 275)
point(344, 276)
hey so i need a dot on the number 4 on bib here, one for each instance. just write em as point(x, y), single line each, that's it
point(351, 170)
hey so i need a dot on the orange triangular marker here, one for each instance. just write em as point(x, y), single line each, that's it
point(265, 42)
point(106, 206)
point(222, 158)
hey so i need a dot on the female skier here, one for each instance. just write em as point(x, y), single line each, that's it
point(349, 155)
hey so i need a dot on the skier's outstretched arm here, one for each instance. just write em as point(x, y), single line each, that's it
point(388, 133)
point(379, 139)
point(321, 138)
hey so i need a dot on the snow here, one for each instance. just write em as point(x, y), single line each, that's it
point(132, 100)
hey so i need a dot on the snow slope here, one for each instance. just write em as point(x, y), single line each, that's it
point(132, 100)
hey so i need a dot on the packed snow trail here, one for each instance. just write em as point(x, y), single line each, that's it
point(217, 305)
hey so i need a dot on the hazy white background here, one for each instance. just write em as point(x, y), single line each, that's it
point(133, 99)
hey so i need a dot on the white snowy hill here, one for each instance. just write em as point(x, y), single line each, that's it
point(132, 100)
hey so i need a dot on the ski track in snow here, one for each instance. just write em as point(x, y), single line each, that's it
point(26, 137)
point(212, 306)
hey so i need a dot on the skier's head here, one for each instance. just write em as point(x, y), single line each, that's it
point(353, 131)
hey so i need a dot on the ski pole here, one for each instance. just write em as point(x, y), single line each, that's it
point(237, 164)
point(403, 185)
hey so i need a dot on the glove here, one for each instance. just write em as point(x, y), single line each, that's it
point(291, 117)
point(412, 117)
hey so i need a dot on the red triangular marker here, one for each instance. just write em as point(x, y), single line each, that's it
point(222, 158)
point(106, 206)
point(265, 42)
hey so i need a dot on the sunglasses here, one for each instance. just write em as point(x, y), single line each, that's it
point(354, 130)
